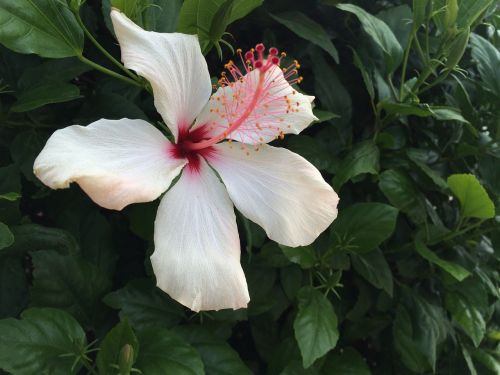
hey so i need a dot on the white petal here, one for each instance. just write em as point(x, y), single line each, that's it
point(116, 162)
point(174, 66)
point(280, 109)
point(197, 248)
point(277, 189)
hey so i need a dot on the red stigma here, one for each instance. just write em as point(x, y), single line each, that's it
point(180, 151)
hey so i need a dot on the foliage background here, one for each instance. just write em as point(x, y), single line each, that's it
point(406, 279)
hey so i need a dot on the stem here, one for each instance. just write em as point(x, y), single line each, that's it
point(436, 82)
point(109, 72)
point(103, 50)
point(405, 65)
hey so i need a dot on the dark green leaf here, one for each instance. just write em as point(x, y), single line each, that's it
point(11, 197)
point(13, 287)
point(467, 316)
point(474, 200)
point(162, 352)
point(68, 282)
point(45, 27)
point(363, 226)
point(364, 158)
point(402, 193)
point(25, 148)
point(455, 270)
point(315, 325)
point(217, 356)
point(46, 94)
point(374, 268)
point(33, 237)
point(487, 57)
point(399, 19)
point(113, 345)
point(347, 362)
point(40, 343)
point(6, 236)
point(470, 12)
point(305, 256)
point(381, 34)
point(145, 305)
point(308, 29)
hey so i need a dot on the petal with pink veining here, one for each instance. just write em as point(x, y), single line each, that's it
point(277, 189)
point(116, 162)
point(174, 66)
point(197, 247)
point(279, 109)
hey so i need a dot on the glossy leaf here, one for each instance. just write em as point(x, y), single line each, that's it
point(68, 282)
point(347, 362)
point(375, 269)
point(315, 325)
point(162, 352)
point(455, 270)
point(6, 236)
point(113, 347)
point(381, 34)
point(474, 200)
point(45, 27)
point(43, 341)
point(467, 316)
point(363, 226)
point(305, 256)
point(309, 30)
point(402, 193)
point(145, 305)
point(364, 158)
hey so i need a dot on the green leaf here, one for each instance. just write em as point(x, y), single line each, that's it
point(10, 181)
point(440, 113)
point(380, 33)
point(48, 83)
point(46, 94)
point(418, 329)
point(307, 29)
point(486, 56)
point(198, 16)
point(338, 100)
point(6, 236)
point(367, 76)
point(455, 270)
point(311, 149)
point(315, 325)
point(403, 333)
point(113, 345)
point(416, 157)
point(347, 362)
point(403, 194)
point(470, 12)
point(218, 357)
point(363, 158)
point(145, 305)
point(25, 148)
point(305, 256)
point(399, 19)
point(374, 268)
point(474, 200)
point(467, 316)
point(11, 197)
point(13, 286)
point(70, 283)
point(45, 27)
point(419, 13)
point(162, 352)
point(34, 237)
point(491, 361)
point(363, 226)
point(45, 341)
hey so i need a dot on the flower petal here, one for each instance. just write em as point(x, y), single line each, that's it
point(173, 65)
point(279, 110)
point(116, 162)
point(197, 248)
point(277, 189)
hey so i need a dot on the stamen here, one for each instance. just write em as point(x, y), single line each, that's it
point(244, 99)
